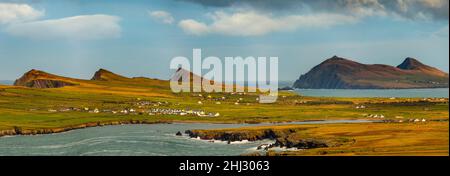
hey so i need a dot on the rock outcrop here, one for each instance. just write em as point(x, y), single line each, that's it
point(285, 137)
point(40, 79)
point(232, 136)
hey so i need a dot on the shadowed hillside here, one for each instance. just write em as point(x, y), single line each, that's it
point(40, 79)
point(340, 73)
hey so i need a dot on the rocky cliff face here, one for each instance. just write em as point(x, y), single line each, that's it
point(285, 137)
point(40, 79)
point(340, 73)
point(43, 83)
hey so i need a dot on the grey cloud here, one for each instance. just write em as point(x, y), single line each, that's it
point(410, 9)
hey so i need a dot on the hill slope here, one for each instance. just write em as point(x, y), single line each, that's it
point(340, 73)
point(40, 79)
point(105, 75)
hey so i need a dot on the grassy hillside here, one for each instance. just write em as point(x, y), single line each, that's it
point(32, 108)
point(429, 138)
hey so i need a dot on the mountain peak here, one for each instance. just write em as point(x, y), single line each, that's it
point(338, 62)
point(35, 72)
point(40, 79)
point(101, 70)
point(106, 75)
point(411, 64)
point(337, 59)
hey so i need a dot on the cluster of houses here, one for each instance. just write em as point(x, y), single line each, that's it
point(413, 120)
point(61, 109)
point(360, 107)
point(400, 118)
point(183, 112)
point(425, 99)
point(141, 104)
point(376, 116)
point(300, 101)
point(153, 111)
point(142, 107)
point(218, 100)
point(435, 99)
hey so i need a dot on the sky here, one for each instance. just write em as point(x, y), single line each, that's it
point(139, 38)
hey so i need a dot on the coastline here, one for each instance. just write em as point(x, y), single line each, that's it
point(28, 132)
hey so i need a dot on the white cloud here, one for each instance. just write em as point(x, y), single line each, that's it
point(163, 16)
point(443, 32)
point(86, 27)
point(434, 3)
point(194, 27)
point(11, 13)
point(253, 23)
point(364, 8)
point(408, 9)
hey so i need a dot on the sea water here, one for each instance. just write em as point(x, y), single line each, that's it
point(408, 93)
point(142, 140)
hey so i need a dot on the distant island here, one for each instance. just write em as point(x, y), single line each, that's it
point(341, 73)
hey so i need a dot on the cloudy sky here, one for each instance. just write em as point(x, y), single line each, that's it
point(139, 38)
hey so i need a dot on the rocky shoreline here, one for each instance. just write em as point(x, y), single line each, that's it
point(283, 137)
point(20, 131)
